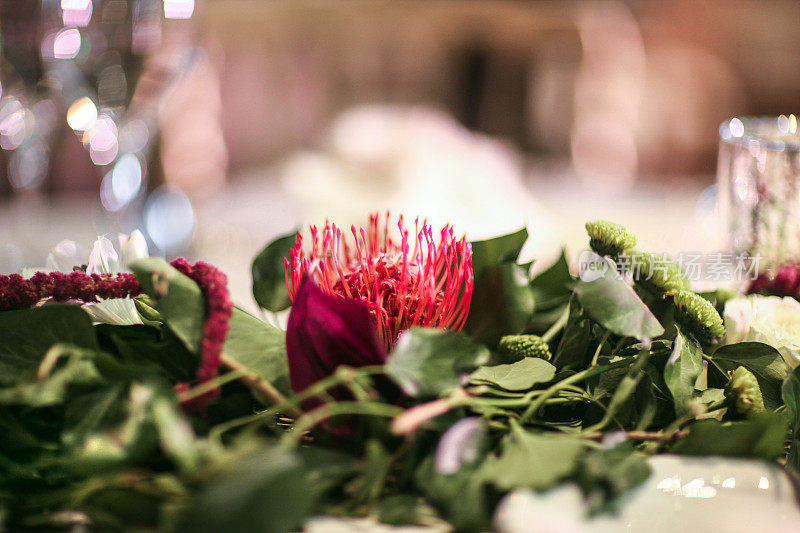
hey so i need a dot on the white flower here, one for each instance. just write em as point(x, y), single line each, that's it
point(103, 259)
point(768, 319)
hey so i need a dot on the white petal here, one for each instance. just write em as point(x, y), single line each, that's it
point(132, 248)
point(119, 312)
point(64, 256)
point(103, 259)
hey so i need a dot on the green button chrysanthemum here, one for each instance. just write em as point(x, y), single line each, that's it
point(659, 274)
point(608, 238)
point(698, 316)
point(521, 346)
point(743, 394)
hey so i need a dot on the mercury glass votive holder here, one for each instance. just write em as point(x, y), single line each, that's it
point(758, 177)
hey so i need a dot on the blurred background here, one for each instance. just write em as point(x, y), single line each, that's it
point(216, 125)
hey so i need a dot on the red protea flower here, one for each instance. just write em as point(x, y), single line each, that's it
point(429, 286)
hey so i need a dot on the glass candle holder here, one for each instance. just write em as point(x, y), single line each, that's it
point(758, 176)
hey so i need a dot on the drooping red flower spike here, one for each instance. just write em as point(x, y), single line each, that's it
point(429, 285)
point(17, 292)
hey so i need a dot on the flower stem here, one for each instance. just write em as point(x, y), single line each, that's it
point(533, 408)
point(624, 390)
point(259, 385)
point(557, 326)
point(320, 414)
point(600, 347)
point(210, 385)
point(289, 406)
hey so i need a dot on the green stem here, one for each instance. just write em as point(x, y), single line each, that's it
point(208, 386)
point(599, 347)
point(624, 390)
point(307, 422)
point(557, 326)
point(533, 408)
point(342, 375)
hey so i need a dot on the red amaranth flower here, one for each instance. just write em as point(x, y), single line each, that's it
point(17, 292)
point(429, 286)
point(214, 284)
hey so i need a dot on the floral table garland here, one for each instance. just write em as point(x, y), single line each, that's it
point(420, 379)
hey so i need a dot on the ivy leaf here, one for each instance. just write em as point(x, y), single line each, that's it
point(609, 473)
point(547, 459)
point(762, 435)
point(269, 281)
point(267, 491)
point(460, 497)
point(28, 334)
point(79, 372)
point(178, 299)
point(576, 339)
point(790, 392)
point(502, 301)
point(552, 287)
point(764, 361)
point(681, 371)
point(260, 347)
point(613, 304)
point(522, 375)
point(430, 362)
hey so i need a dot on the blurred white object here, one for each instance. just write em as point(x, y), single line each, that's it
point(682, 494)
point(417, 161)
point(103, 259)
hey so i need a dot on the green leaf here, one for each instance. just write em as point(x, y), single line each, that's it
point(428, 362)
point(606, 474)
point(575, 341)
point(790, 392)
point(79, 372)
point(502, 301)
point(260, 347)
point(762, 435)
point(268, 491)
point(460, 497)
point(26, 335)
point(613, 304)
point(681, 371)
point(269, 282)
point(145, 347)
point(522, 375)
point(533, 460)
point(553, 286)
point(764, 361)
point(177, 298)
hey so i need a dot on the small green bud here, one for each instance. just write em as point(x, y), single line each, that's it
point(608, 238)
point(698, 316)
point(521, 346)
point(658, 274)
point(742, 393)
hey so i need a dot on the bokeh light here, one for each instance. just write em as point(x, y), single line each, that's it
point(134, 136)
point(101, 139)
point(27, 166)
point(82, 114)
point(12, 123)
point(122, 184)
point(169, 218)
point(67, 43)
point(178, 9)
point(76, 12)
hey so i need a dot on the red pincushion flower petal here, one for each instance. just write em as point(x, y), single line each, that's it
point(428, 285)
